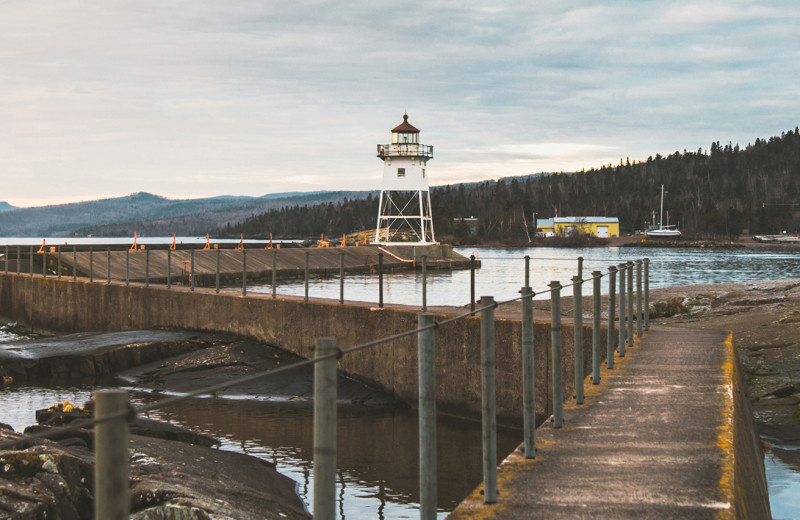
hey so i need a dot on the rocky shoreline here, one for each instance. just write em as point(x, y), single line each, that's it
point(175, 473)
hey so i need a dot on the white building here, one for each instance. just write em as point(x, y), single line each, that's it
point(404, 212)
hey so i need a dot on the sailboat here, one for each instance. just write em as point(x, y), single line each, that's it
point(662, 231)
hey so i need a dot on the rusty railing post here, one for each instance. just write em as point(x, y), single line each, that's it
point(596, 324)
point(426, 344)
point(325, 429)
point(621, 269)
point(488, 401)
point(111, 474)
point(528, 375)
point(555, 338)
point(612, 308)
point(646, 294)
point(577, 335)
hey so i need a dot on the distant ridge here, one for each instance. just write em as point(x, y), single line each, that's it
point(152, 214)
point(5, 206)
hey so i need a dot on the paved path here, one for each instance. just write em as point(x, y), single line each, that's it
point(653, 440)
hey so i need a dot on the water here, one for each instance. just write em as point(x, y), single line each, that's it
point(782, 465)
point(377, 455)
point(378, 450)
point(502, 273)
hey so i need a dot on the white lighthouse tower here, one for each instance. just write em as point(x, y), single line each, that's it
point(404, 213)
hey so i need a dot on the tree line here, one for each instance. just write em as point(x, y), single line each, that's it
point(725, 191)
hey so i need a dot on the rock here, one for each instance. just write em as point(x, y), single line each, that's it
point(48, 479)
point(672, 306)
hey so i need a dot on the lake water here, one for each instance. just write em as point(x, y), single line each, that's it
point(378, 448)
point(502, 273)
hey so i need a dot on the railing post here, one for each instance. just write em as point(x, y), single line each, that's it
point(74, 264)
point(577, 335)
point(169, 268)
point(555, 346)
point(427, 417)
point(216, 273)
point(527, 271)
point(380, 279)
point(91, 264)
point(58, 250)
point(488, 412)
point(30, 253)
point(127, 267)
point(108, 265)
point(612, 308)
point(191, 270)
point(580, 267)
point(44, 264)
point(629, 314)
point(341, 278)
point(646, 294)
point(528, 375)
point(274, 274)
point(112, 496)
point(147, 268)
point(305, 298)
point(472, 283)
point(424, 283)
point(19, 260)
point(5, 259)
point(596, 323)
point(325, 429)
point(621, 268)
point(639, 298)
point(244, 273)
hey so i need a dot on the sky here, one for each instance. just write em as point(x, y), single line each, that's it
point(200, 98)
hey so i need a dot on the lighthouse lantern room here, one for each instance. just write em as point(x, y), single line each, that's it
point(404, 212)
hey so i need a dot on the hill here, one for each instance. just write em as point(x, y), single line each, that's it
point(726, 191)
point(149, 214)
point(5, 206)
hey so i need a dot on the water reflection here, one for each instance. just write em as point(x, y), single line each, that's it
point(377, 460)
point(377, 451)
point(782, 465)
point(503, 272)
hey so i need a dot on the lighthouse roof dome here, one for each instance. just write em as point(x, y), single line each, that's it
point(405, 126)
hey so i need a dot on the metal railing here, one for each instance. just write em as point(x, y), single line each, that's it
point(405, 150)
point(113, 410)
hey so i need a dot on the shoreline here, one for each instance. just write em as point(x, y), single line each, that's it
point(634, 241)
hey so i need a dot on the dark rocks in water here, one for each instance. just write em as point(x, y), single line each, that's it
point(93, 355)
point(223, 363)
point(54, 480)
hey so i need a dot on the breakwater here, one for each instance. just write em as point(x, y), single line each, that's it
point(290, 323)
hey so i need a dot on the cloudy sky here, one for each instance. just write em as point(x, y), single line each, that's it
point(201, 98)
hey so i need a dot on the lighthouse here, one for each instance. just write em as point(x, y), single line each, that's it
point(404, 212)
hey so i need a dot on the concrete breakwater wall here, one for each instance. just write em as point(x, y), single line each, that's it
point(155, 264)
point(292, 324)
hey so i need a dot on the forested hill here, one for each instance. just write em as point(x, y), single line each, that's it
point(727, 190)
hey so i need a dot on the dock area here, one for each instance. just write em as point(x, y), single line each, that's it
point(665, 435)
point(205, 265)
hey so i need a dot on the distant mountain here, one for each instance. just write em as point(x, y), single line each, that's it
point(5, 206)
point(151, 214)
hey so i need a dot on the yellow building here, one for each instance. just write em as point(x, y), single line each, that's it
point(602, 227)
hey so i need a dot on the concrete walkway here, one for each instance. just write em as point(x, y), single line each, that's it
point(654, 440)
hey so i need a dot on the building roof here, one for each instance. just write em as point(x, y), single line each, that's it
point(586, 220)
point(405, 126)
point(544, 222)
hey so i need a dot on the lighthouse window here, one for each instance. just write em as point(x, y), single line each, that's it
point(423, 173)
point(401, 172)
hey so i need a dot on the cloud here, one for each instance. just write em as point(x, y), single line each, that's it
point(201, 98)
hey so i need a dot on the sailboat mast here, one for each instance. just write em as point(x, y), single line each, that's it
point(661, 216)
